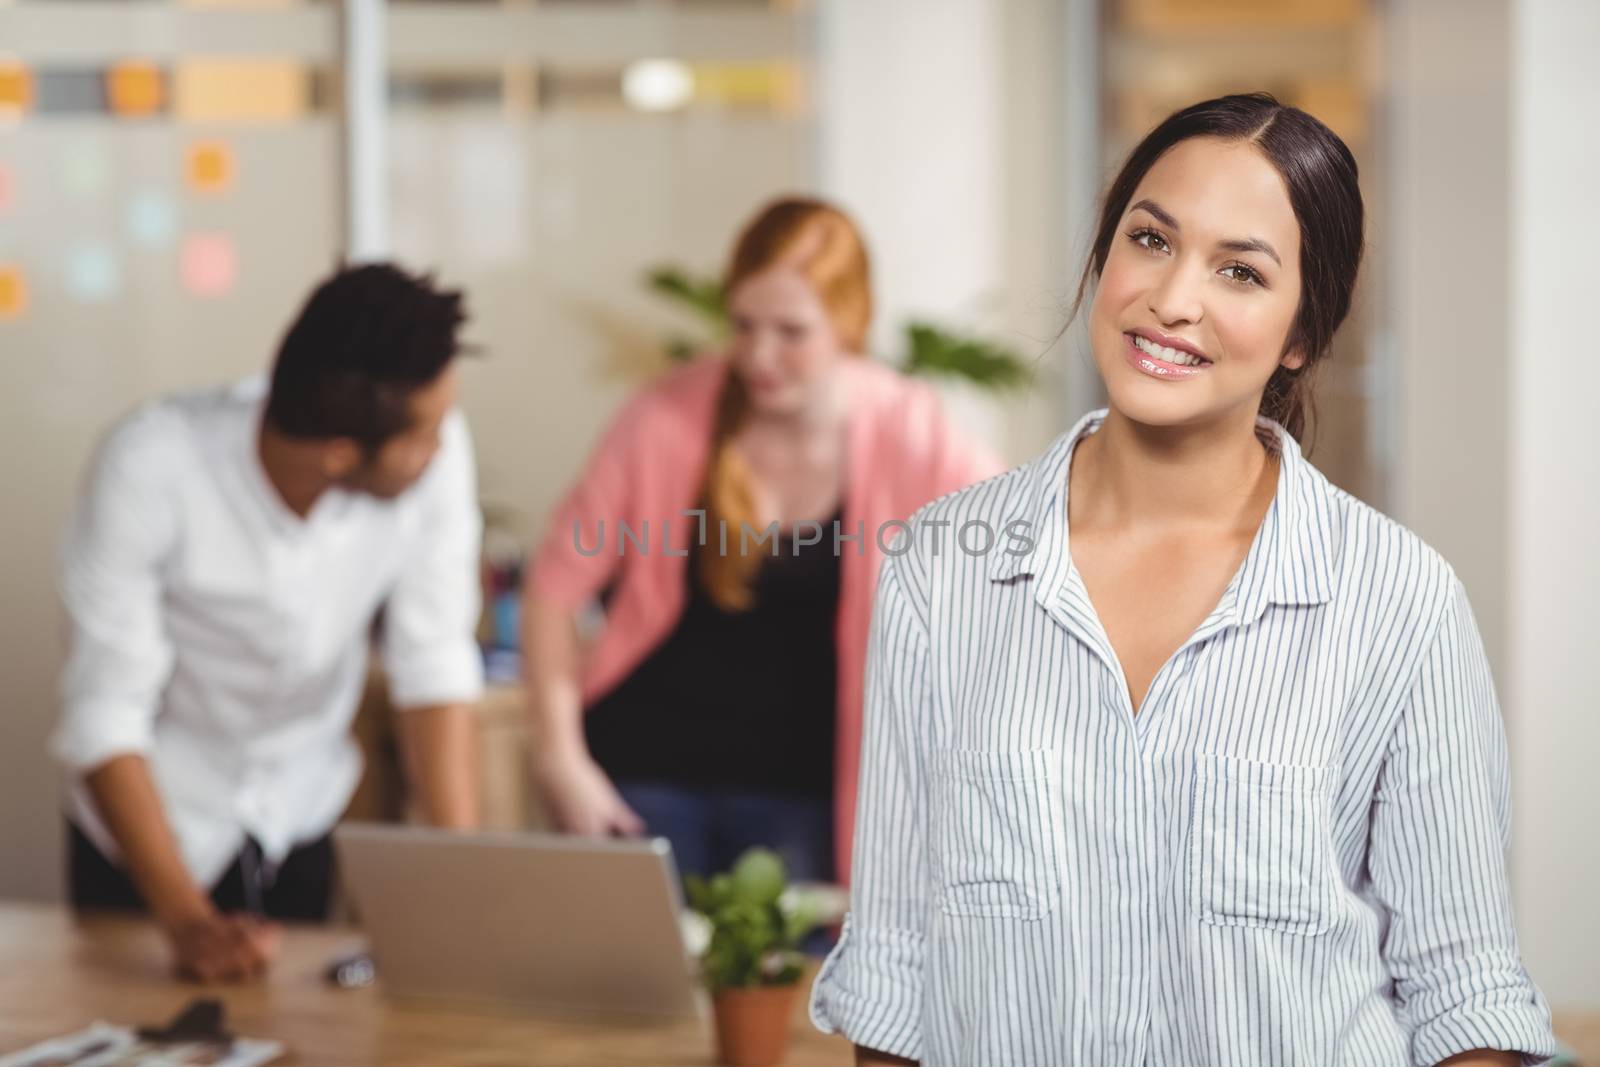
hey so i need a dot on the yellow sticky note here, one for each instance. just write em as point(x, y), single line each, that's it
point(209, 167)
point(135, 89)
point(13, 292)
point(240, 90)
point(16, 88)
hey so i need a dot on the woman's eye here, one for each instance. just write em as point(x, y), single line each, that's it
point(1240, 273)
point(792, 333)
point(1149, 239)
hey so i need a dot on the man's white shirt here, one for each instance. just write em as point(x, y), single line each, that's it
point(225, 638)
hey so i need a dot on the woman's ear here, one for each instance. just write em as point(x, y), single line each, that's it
point(1293, 359)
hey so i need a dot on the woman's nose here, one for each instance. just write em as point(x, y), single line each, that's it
point(1175, 298)
point(760, 349)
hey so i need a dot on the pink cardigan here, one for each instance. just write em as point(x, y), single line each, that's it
point(901, 452)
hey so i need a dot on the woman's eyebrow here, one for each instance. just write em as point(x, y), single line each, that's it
point(1246, 244)
point(1250, 244)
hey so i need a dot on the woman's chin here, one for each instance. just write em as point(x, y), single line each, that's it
point(777, 402)
point(1157, 403)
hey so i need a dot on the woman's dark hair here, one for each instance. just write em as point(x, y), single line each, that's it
point(367, 338)
point(1320, 174)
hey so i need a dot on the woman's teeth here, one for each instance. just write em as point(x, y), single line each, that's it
point(1170, 355)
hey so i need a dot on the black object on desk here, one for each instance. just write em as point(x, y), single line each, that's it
point(202, 1020)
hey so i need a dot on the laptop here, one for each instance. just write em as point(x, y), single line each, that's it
point(547, 923)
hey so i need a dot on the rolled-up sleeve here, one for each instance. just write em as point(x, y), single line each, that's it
point(119, 655)
point(430, 649)
point(1441, 828)
point(870, 987)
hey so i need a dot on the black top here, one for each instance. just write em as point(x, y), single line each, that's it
point(741, 699)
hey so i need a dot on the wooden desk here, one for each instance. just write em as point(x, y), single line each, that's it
point(57, 975)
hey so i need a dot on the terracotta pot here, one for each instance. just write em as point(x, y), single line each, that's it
point(753, 1024)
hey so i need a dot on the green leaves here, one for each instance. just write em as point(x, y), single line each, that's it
point(936, 351)
point(756, 923)
point(759, 876)
point(700, 296)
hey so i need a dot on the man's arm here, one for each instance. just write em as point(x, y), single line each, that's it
point(128, 804)
point(208, 945)
point(118, 661)
point(430, 649)
point(439, 747)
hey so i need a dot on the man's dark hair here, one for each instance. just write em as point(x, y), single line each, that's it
point(367, 339)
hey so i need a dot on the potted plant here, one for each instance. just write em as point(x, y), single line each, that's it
point(752, 963)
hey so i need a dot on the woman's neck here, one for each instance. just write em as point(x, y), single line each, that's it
point(1128, 474)
point(821, 414)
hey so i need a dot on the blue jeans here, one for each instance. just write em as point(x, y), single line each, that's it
point(710, 828)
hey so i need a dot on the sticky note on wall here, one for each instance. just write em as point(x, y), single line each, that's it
point(16, 89)
point(83, 168)
point(8, 189)
point(209, 264)
point(135, 89)
point(209, 167)
point(93, 273)
point(152, 217)
point(13, 292)
point(240, 90)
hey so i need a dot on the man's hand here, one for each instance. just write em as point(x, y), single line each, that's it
point(206, 944)
point(212, 947)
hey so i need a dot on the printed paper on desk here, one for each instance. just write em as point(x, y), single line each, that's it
point(103, 1045)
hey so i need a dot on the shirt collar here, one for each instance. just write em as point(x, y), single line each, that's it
point(1289, 562)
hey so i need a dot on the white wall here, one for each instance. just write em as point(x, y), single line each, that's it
point(1448, 181)
point(1554, 467)
point(943, 125)
point(1494, 462)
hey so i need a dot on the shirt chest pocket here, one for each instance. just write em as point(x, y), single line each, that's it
point(1261, 852)
point(998, 823)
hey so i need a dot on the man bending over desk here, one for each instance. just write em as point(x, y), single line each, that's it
point(221, 574)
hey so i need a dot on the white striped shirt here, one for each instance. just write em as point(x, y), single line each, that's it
point(1294, 854)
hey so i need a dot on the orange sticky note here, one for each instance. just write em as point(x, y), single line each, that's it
point(209, 264)
point(16, 88)
point(209, 167)
point(13, 292)
point(135, 89)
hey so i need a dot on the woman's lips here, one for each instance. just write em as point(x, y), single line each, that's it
point(1149, 365)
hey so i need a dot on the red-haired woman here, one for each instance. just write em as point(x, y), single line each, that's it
point(720, 705)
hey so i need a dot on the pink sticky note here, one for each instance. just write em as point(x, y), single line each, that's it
point(209, 264)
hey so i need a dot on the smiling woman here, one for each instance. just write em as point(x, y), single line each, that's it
point(1234, 237)
point(1214, 773)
